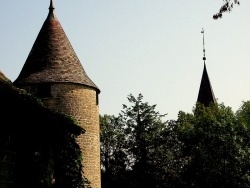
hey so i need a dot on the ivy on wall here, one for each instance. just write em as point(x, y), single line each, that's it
point(47, 154)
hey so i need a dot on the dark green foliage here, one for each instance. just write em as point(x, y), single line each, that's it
point(44, 141)
point(67, 163)
point(113, 152)
point(152, 145)
point(143, 155)
point(226, 7)
point(243, 114)
point(53, 159)
point(213, 144)
point(207, 148)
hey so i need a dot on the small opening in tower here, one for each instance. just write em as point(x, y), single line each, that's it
point(43, 90)
point(97, 99)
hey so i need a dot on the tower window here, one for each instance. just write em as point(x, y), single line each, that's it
point(43, 90)
point(97, 99)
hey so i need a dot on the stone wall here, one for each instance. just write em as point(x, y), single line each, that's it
point(81, 102)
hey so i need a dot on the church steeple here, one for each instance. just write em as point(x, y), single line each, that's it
point(206, 94)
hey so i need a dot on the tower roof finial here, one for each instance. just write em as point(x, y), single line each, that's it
point(204, 56)
point(51, 14)
point(51, 7)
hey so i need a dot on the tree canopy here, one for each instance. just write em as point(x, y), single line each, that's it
point(226, 7)
point(209, 147)
point(43, 142)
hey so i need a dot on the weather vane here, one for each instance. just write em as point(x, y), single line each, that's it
point(204, 56)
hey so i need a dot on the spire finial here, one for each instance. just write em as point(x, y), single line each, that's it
point(204, 56)
point(51, 7)
point(51, 14)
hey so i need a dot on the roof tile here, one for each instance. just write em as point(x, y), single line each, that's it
point(52, 58)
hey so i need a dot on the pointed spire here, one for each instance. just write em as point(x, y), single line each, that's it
point(206, 94)
point(51, 7)
point(51, 10)
point(52, 57)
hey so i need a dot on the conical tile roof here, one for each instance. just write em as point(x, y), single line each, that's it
point(52, 58)
point(206, 94)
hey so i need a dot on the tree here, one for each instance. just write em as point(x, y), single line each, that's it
point(139, 149)
point(152, 145)
point(113, 152)
point(226, 7)
point(43, 151)
point(214, 145)
point(243, 117)
point(207, 148)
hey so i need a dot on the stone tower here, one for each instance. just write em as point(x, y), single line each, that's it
point(206, 94)
point(53, 72)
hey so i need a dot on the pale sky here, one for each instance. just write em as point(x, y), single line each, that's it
point(152, 47)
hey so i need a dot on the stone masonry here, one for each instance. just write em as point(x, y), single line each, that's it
point(53, 72)
point(80, 102)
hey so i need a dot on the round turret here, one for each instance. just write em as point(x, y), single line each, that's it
point(54, 73)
